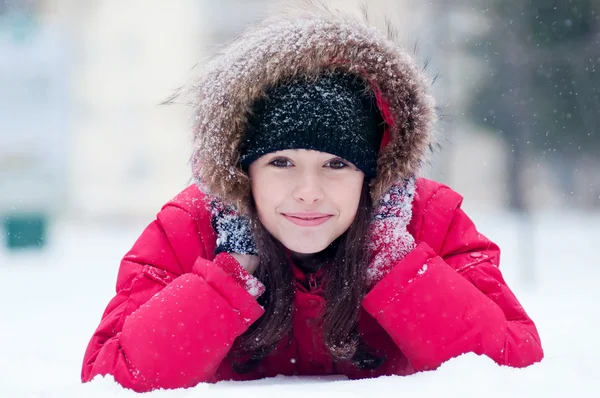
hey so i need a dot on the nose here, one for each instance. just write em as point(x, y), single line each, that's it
point(308, 188)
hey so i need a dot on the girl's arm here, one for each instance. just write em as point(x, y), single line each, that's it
point(167, 328)
point(436, 306)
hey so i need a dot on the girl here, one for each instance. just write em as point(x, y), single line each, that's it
point(307, 245)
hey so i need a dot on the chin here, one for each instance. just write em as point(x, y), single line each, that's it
point(304, 249)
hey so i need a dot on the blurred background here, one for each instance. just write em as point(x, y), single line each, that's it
point(82, 134)
point(83, 139)
point(88, 156)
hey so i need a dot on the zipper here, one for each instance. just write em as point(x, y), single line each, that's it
point(312, 282)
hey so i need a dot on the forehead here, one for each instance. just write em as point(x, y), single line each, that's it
point(303, 154)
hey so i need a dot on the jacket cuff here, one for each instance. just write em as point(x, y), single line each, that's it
point(405, 272)
point(237, 296)
point(243, 278)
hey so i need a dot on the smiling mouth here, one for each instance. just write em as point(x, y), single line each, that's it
point(308, 221)
point(307, 215)
point(307, 218)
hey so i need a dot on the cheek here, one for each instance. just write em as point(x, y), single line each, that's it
point(266, 198)
point(345, 195)
point(349, 206)
point(348, 194)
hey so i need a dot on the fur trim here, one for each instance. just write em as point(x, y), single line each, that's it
point(306, 43)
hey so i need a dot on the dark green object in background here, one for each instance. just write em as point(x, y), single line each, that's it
point(25, 230)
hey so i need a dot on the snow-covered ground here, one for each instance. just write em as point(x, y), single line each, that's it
point(51, 302)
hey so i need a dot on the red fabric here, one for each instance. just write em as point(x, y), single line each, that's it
point(235, 270)
point(177, 308)
point(384, 108)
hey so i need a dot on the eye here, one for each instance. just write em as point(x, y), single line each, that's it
point(280, 163)
point(337, 164)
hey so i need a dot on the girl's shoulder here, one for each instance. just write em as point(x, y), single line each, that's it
point(434, 206)
point(191, 203)
point(434, 196)
point(192, 200)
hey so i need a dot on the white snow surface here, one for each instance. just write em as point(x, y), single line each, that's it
point(53, 300)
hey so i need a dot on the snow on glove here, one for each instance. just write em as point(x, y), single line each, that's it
point(234, 234)
point(389, 240)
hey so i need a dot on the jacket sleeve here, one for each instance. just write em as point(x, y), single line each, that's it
point(436, 305)
point(167, 328)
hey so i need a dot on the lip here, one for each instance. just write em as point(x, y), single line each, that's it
point(308, 219)
point(307, 215)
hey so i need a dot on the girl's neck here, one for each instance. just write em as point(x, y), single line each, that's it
point(308, 263)
point(312, 262)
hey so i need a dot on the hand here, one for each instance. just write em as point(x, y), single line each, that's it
point(248, 261)
point(389, 240)
point(234, 234)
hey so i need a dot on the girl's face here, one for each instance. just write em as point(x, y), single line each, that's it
point(306, 199)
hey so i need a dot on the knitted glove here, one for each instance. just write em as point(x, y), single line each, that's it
point(234, 234)
point(389, 240)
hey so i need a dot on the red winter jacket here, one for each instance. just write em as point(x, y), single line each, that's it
point(178, 308)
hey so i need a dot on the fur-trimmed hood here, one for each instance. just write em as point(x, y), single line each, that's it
point(307, 43)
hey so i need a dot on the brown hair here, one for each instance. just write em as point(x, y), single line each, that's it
point(344, 288)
